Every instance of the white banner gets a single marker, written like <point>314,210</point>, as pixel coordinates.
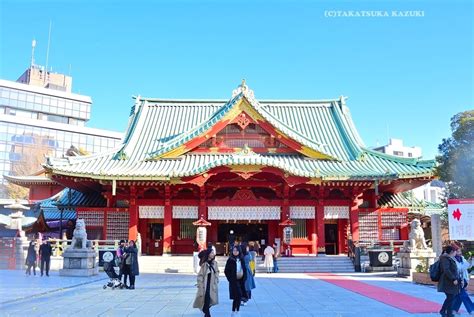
<point>244,213</point>
<point>461,219</point>
<point>302,212</point>
<point>336,212</point>
<point>151,212</point>
<point>185,212</point>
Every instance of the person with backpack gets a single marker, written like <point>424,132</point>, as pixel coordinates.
<point>463,297</point>
<point>448,281</point>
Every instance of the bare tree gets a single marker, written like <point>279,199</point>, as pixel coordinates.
<point>29,153</point>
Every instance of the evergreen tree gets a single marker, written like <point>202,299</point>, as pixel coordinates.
<point>456,162</point>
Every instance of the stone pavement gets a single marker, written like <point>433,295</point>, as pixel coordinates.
<point>172,295</point>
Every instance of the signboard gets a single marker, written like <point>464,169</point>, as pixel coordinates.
<point>106,256</point>
<point>461,219</point>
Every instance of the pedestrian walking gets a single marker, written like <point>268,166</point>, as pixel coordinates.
<point>268,263</point>
<point>448,282</point>
<point>130,260</point>
<point>45,252</point>
<point>276,255</point>
<point>253,259</point>
<point>235,273</point>
<point>463,265</point>
<point>207,294</point>
<point>249,282</point>
<point>231,239</point>
<point>31,258</point>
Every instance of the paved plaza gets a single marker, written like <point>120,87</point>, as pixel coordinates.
<point>170,295</point>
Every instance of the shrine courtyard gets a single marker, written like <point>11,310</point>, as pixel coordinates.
<point>283,294</point>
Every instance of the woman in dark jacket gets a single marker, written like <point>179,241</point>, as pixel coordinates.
<point>235,272</point>
<point>130,264</point>
<point>31,258</point>
<point>448,282</point>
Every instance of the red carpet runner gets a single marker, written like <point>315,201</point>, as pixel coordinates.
<point>398,300</point>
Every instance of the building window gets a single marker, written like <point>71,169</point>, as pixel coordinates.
<point>299,231</point>
<point>410,155</point>
<point>186,229</point>
<point>397,153</point>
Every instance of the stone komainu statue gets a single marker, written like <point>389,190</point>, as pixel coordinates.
<point>79,239</point>
<point>417,236</point>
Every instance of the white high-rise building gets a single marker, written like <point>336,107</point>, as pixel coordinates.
<point>396,147</point>
<point>39,115</point>
<point>432,192</point>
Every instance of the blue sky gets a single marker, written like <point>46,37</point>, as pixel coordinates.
<point>405,76</point>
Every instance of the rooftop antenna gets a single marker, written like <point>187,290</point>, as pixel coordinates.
<point>33,45</point>
<point>47,51</point>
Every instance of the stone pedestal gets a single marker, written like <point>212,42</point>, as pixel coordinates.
<point>79,262</point>
<point>436,240</point>
<point>21,250</point>
<point>410,259</point>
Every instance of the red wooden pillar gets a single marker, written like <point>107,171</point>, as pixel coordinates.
<point>342,236</point>
<point>272,232</point>
<point>142,229</point>
<point>354,219</point>
<point>320,227</point>
<point>284,215</point>
<point>202,210</point>
<point>404,227</point>
<point>133,210</point>
<point>311,229</point>
<point>168,222</point>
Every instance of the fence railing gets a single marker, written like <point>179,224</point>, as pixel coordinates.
<point>60,245</point>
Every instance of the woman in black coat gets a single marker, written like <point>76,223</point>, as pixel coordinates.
<point>130,264</point>
<point>448,282</point>
<point>235,272</point>
<point>31,258</point>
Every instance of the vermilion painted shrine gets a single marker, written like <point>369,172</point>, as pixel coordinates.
<point>245,165</point>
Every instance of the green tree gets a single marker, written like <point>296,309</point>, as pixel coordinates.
<point>456,162</point>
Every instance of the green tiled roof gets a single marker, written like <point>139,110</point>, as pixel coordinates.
<point>158,126</point>
<point>413,204</point>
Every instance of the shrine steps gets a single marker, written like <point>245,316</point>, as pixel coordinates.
<point>298,264</point>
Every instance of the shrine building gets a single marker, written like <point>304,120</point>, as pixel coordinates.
<point>245,165</point>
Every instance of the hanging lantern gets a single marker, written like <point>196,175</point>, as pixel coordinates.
<point>201,235</point>
<point>287,234</point>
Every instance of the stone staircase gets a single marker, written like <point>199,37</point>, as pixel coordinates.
<point>298,264</point>
<point>312,264</point>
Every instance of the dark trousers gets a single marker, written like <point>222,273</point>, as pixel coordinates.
<point>237,294</point>
<point>29,266</point>
<point>275,265</point>
<point>128,273</point>
<point>207,298</point>
<point>236,304</point>
<point>463,297</point>
<point>45,265</point>
<point>448,305</point>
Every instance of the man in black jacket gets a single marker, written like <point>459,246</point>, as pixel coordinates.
<point>45,256</point>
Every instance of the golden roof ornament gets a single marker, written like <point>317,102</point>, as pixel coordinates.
<point>244,89</point>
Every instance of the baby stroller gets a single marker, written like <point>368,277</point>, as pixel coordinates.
<point>112,271</point>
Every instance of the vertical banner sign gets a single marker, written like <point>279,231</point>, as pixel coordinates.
<point>461,219</point>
